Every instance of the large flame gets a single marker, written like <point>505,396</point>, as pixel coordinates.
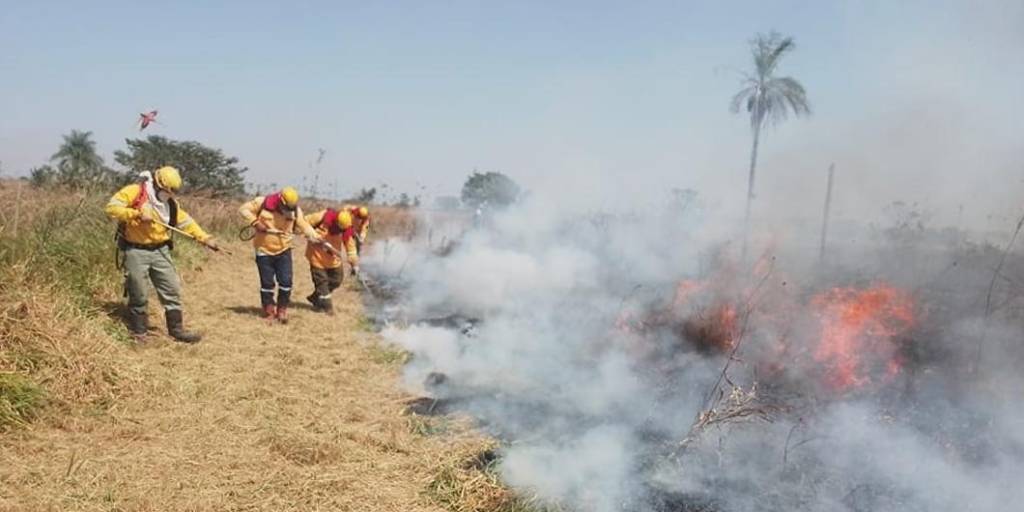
<point>859,332</point>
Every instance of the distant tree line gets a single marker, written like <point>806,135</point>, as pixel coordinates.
<point>77,164</point>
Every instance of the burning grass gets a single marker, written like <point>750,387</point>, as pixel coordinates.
<point>860,329</point>
<point>468,482</point>
<point>764,383</point>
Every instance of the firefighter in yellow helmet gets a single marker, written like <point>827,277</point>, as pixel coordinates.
<point>276,217</point>
<point>325,263</point>
<point>360,223</point>
<point>144,211</point>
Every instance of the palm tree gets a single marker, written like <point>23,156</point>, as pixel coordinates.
<point>77,160</point>
<point>767,98</point>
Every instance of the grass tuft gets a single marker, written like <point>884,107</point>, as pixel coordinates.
<point>20,400</point>
<point>388,355</point>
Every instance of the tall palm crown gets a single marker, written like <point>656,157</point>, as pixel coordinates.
<point>78,152</point>
<point>77,160</point>
<point>767,97</point>
<point>764,95</point>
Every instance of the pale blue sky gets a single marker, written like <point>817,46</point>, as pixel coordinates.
<point>630,95</point>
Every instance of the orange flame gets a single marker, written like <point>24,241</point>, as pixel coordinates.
<point>858,331</point>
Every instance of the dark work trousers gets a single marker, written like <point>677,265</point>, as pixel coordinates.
<point>276,268</point>
<point>326,280</point>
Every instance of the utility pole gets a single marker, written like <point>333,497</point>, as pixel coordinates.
<point>824,219</point>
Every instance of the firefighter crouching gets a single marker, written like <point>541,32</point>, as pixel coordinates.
<point>336,229</point>
<point>275,218</point>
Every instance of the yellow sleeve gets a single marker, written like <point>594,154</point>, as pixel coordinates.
<point>314,218</point>
<point>190,226</point>
<point>300,222</point>
<point>119,207</point>
<point>350,250</point>
<point>251,209</point>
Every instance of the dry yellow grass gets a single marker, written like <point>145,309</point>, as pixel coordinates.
<point>306,416</point>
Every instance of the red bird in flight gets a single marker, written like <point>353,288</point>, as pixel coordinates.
<point>146,119</point>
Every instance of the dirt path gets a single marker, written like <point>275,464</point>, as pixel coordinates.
<point>305,416</point>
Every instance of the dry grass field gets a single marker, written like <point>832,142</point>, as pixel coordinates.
<point>299,417</point>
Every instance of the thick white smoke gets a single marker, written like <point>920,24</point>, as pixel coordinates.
<point>548,323</point>
<point>518,325</point>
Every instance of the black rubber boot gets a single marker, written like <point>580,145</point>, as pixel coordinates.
<point>137,326</point>
<point>315,301</point>
<point>177,330</point>
<point>327,306</point>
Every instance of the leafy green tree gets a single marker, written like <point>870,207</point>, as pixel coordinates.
<point>767,98</point>
<point>203,168</point>
<point>78,163</point>
<point>43,176</point>
<point>366,195</point>
<point>494,188</point>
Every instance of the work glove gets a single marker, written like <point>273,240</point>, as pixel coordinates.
<point>212,244</point>
<point>145,216</point>
<point>261,226</point>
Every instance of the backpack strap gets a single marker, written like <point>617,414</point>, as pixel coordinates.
<point>136,203</point>
<point>172,207</point>
<point>141,198</point>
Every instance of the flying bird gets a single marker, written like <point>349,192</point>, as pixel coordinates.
<point>145,119</point>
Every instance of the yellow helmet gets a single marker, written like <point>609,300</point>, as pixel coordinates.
<point>290,196</point>
<point>363,212</point>
<point>167,178</point>
<point>344,220</point>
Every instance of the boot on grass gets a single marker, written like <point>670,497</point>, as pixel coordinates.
<point>137,326</point>
<point>282,314</point>
<point>269,311</point>
<point>176,328</point>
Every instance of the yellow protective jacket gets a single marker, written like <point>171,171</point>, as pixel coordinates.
<point>360,225</point>
<point>120,208</point>
<point>342,241</point>
<point>271,243</point>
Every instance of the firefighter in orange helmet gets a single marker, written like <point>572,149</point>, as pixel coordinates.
<point>337,232</point>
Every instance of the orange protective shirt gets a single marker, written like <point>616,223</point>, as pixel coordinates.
<point>342,240</point>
